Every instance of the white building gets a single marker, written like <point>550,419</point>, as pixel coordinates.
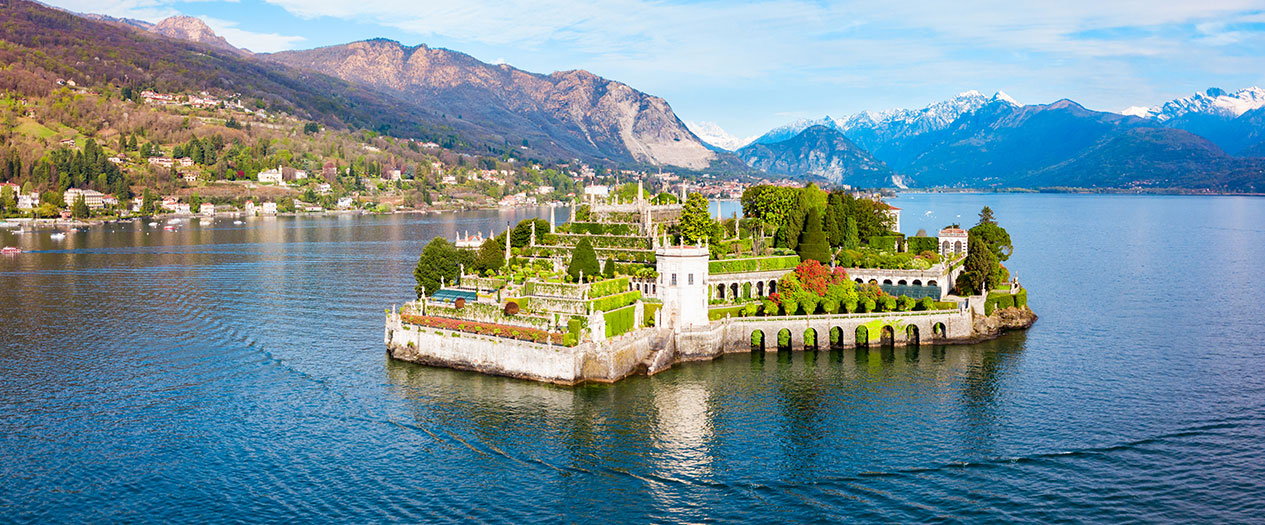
<point>300,174</point>
<point>323,188</point>
<point>953,241</point>
<point>344,203</point>
<point>29,201</point>
<point>272,175</point>
<point>683,276</point>
<point>208,209</point>
<point>251,210</point>
<point>269,208</point>
<point>597,190</point>
<point>392,175</point>
<point>91,197</point>
<point>541,190</point>
<point>894,213</point>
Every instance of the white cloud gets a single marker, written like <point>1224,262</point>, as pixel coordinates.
<point>257,42</point>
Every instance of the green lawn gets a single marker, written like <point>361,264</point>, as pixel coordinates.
<point>32,128</point>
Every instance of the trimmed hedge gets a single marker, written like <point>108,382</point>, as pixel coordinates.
<point>619,322</point>
<point>608,287</point>
<point>924,244</point>
<point>612,302</point>
<point>1021,298</point>
<point>599,228</point>
<point>884,243</point>
<point>720,313</point>
<point>999,301</point>
<point>753,264</point>
<point>650,310</point>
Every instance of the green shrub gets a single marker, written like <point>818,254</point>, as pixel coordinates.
<point>620,321</point>
<point>619,300</point>
<point>650,310</point>
<point>750,309</point>
<point>884,243</point>
<point>720,313</point>
<point>923,244</point>
<point>753,264</point>
<point>1021,298</point>
<point>926,303</point>
<point>608,287</point>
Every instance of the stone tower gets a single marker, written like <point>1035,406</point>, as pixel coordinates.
<point>683,278</point>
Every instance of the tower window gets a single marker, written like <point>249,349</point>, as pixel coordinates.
<point>674,279</point>
<point>691,279</point>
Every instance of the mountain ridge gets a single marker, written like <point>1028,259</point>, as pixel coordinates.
<point>821,151</point>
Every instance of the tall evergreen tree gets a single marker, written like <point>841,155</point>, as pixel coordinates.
<point>851,237</point>
<point>583,259</point>
<point>80,209</point>
<point>835,222</point>
<point>812,242</point>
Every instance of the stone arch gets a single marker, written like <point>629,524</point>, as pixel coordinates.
<point>759,288</point>
<point>836,337</point>
<point>888,335</point>
<point>873,281</point>
<point>783,339</point>
<point>863,336</point>
<point>917,282</point>
<point>720,291</point>
<point>772,287</point>
<point>810,340</point>
<point>860,281</point>
<point>938,331</point>
<point>945,248</point>
<point>911,335</point>
<point>902,282</point>
<point>733,291</point>
<point>757,341</point>
<point>932,283</point>
<point>887,282</point>
<point>957,247</point>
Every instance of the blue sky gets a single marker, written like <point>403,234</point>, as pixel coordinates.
<point>750,66</point>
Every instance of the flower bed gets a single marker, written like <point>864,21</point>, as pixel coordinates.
<point>492,329</point>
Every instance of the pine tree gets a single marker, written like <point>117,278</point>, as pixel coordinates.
<point>835,222</point>
<point>583,259</point>
<point>608,269</point>
<point>812,242</point>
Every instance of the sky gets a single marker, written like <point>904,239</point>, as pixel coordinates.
<point>752,66</point>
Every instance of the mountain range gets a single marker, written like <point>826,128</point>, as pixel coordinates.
<point>412,92</point>
<point>1212,140</point>
<point>973,140</point>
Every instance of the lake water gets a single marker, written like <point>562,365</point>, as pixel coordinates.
<point>228,373</point>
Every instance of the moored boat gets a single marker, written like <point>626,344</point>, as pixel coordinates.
<point>10,250</point>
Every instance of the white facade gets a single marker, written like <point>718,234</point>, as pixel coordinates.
<point>269,208</point>
<point>90,197</point>
<point>208,208</point>
<point>683,277</point>
<point>894,213</point>
<point>270,175</point>
<point>953,241</point>
<point>597,190</point>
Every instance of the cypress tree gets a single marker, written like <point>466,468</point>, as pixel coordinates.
<point>583,259</point>
<point>812,242</point>
<point>851,238</point>
<point>608,269</point>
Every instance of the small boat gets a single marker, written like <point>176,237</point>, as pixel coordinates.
<point>10,224</point>
<point>10,250</point>
<point>153,224</point>
<point>237,222</point>
<point>57,236</point>
<point>170,228</point>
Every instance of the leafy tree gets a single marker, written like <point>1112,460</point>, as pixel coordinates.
<point>8,201</point>
<point>147,202</point>
<point>521,234</point>
<point>608,269</point>
<point>812,242</point>
<point>440,259</point>
<point>696,223</point>
<point>311,127</point>
<point>665,198</point>
<point>994,237</point>
<point>583,259</point>
<point>491,256</point>
<point>80,209</point>
<point>195,203</point>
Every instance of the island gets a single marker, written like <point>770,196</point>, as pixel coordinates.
<point>637,284</point>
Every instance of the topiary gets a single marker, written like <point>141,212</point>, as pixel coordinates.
<point>511,308</point>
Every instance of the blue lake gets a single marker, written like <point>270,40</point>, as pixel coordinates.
<point>228,373</point>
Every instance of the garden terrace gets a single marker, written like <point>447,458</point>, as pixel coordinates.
<point>623,242</point>
<point>449,295</point>
<point>485,313</point>
<point>492,329</point>
<point>598,228</point>
<point>621,255</point>
<point>753,264</point>
<point>935,282</point>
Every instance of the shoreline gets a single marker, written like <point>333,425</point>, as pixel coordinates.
<point>650,351</point>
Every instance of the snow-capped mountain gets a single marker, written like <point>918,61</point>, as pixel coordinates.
<point>872,129</point>
<point>1234,121</point>
<point>712,134</point>
<point>788,131</point>
<point>1214,101</point>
